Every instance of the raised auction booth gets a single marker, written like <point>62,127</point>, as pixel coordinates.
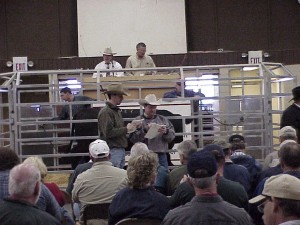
<point>237,101</point>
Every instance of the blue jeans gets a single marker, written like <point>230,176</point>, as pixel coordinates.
<point>117,157</point>
<point>162,159</point>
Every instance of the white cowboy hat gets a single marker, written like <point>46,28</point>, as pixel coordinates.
<point>108,51</point>
<point>149,100</point>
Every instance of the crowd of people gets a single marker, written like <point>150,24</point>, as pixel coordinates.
<point>219,183</point>
<point>197,192</point>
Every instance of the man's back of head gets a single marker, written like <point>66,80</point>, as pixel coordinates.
<point>218,153</point>
<point>287,133</point>
<point>185,149</point>
<point>8,159</point>
<point>202,169</point>
<point>24,183</point>
<point>289,155</point>
<point>99,151</point>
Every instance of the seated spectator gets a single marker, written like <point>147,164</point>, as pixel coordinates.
<point>102,181</point>
<point>280,200</point>
<point>139,200</point>
<point>38,162</point>
<point>140,60</point>
<point>46,201</point>
<point>108,64</point>
<point>160,183</point>
<point>289,157</point>
<point>8,159</point>
<point>24,189</point>
<point>207,207</point>
<point>177,92</point>
<point>285,133</point>
<point>273,170</point>
<point>184,149</point>
<point>239,157</point>
<point>233,172</point>
<point>78,170</point>
<point>230,191</point>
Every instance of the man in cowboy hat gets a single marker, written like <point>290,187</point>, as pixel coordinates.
<point>108,64</point>
<point>111,125</point>
<point>291,116</point>
<point>140,60</point>
<point>165,129</point>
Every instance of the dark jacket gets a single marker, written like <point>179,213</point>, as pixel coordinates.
<point>291,117</point>
<point>14,212</point>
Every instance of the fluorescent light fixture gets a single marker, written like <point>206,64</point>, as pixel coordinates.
<point>250,68</point>
<point>283,79</point>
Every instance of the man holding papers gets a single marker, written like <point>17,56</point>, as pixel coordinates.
<point>156,130</point>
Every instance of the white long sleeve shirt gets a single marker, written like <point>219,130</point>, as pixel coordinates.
<point>114,65</point>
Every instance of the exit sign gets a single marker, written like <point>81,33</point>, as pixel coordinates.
<point>20,64</point>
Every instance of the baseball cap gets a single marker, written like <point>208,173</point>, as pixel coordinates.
<point>216,150</point>
<point>204,161</point>
<point>222,142</point>
<point>287,131</point>
<point>99,149</point>
<point>280,186</point>
<point>236,138</point>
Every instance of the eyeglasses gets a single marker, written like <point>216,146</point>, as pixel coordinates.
<point>261,207</point>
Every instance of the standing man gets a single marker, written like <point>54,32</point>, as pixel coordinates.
<point>66,95</point>
<point>291,116</point>
<point>280,200</point>
<point>207,207</point>
<point>165,132</point>
<point>109,64</point>
<point>285,133</point>
<point>111,125</point>
<point>140,60</point>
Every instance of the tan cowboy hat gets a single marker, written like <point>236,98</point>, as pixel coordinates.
<point>149,100</point>
<point>108,51</point>
<point>116,89</point>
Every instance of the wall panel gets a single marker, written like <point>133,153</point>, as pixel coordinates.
<point>285,24</point>
<point>3,44</point>
<point>201,25</point>
<point>242,26</point>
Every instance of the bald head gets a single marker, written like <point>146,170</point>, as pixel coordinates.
<point>24,182</point>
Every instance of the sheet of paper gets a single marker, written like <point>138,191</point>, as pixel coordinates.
<point>153,131</point>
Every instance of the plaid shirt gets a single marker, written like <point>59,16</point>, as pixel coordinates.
<point>4,175</point>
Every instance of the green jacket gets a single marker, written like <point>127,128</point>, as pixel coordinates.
<point>111,126</point>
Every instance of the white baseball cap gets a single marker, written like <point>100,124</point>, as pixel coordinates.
<point>280,186</point>
<point>99,149</point>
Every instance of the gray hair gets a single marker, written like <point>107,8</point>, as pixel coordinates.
<point>288,133</point>
<point>23,179</point>
<point>203,183</point>
<point>186,148</point>
<point>138,148</point>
